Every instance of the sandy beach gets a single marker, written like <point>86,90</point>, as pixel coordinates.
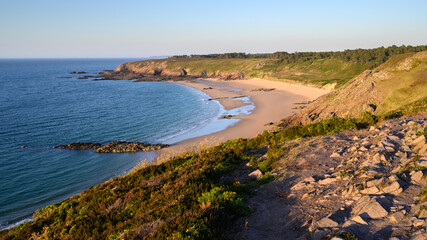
<point>276,101</point>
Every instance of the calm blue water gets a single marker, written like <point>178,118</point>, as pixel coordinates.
<point>41,111</point>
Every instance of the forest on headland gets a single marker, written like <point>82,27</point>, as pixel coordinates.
<point>329,70</point>
<point>375,56</point>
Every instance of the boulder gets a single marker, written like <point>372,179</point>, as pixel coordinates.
<point>326,223</point>
<point>359,220</point>
<point>327,181</point>
<point>416,176</point>
<point>397,216</point>
<point>371,190</point>
<point>419,223</point>
<point>392,187</point>
<point>371,207</point>
<point>418,140</point>
<point>423,213</point>
<point>419,146</point>
<point>255,174</point>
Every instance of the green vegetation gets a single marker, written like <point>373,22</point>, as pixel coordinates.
<point>314,68</point>
<point>184,198</point>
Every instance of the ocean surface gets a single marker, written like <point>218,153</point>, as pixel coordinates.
<point>38,110</point>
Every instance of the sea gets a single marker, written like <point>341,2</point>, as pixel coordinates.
<point>43,105</point>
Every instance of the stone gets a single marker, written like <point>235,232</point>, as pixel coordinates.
<point>419,223</point>
<point>423,213</point>
<point>397,216</point>
<point>372,128</point>
<point>335,155</point>
<point>337,238</point>
<point>359,220</point>
<point>416,176</point>
<point>353,149</point>
<point>371,207</point>
<point>419,146</point>
<point>326,223</point>
<point>299,186</point>
<point>363,149</point>
<point>423,150</point>
<point>411,123</point>
<point>319,234</point>
<point>418,140</point>
<point>389,149</point>
<point>422,163</point>
<point>309,180</point>
<point>255,174</point>
<point>327,181</point>
<point>392,187</point>
<point>375,182</point>
<point>371,190</point>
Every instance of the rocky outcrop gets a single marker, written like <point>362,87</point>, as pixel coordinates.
<point>155,70</point>
<point>114,147</point>
<point>127,147</point>
<point>80,146</point>
<point>364,184</point>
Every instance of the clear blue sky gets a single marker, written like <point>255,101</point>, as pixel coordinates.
<point>138,28</point>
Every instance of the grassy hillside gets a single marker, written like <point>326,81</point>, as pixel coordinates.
<point>311,68</point>
<point>192,196</point>
<point>399,85</point>
<point>317,72</point>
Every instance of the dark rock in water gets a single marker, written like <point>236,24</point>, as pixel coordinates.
<point>78,72</point>
<point>80,146</point>
<point>126,147</point>
<point>227,116</point>
<point>86,77</point>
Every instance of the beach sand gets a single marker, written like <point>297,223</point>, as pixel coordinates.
<point>270,106</point>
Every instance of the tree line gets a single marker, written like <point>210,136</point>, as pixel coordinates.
<point>375,56</point>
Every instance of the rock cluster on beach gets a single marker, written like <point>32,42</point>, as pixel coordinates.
<point>368,184</point>
<point>114,147</point>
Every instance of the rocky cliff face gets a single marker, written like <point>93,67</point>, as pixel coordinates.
<point>388,87</point>
<point>160,68</point>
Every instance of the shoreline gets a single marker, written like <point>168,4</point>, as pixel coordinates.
<point>273,101</point>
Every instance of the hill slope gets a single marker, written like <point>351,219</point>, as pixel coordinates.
<point>400,84</point>
<point>317,72</point>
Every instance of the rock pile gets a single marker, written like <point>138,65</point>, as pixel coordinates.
<point>126,147</point>
<point>114,147</point>
<point>366,184</point>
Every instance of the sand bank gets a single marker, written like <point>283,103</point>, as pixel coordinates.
<point>270,106</point>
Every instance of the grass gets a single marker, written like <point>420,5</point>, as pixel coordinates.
<point>183,198</point>
<point>316,72</point>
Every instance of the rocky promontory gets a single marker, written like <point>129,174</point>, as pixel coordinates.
<point>126,147</point>
<point>114,147</point>
<point>80,146</point>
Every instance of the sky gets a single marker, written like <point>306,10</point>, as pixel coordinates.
<point>140,28</point>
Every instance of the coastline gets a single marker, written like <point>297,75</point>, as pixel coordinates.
<point>273,101</point>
